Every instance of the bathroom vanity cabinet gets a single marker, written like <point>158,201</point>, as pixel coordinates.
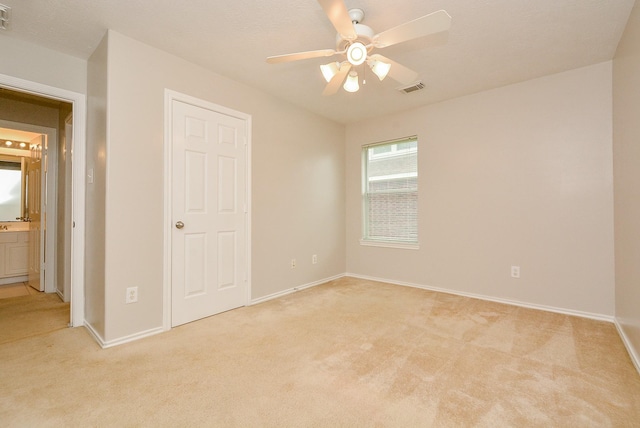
<point>14,254</point>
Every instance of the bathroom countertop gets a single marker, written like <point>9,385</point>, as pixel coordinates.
<point>14,227</point>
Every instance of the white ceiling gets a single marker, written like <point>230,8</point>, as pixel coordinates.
<point>491,43</point>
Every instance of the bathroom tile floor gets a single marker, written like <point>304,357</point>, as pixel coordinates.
<point>17,289</point>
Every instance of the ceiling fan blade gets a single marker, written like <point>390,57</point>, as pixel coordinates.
<point>339,16</point>
<point>300,55</point>
<point>429,24</point>
<point>333,86</point>
<point>398,72</point>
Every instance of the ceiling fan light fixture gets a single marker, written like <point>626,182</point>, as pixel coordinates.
<point>351,84</point>
<point>357,42</point>
<point>330,70</point>
<point>379,68</point>
<point>357,53</point>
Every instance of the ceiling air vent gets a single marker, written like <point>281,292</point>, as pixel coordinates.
<point>412,88</point>
<point>4,16</point>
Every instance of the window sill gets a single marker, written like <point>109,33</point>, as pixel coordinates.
<point>390,244</point>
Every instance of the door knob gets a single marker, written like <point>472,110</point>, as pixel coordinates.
<point>179,225</point>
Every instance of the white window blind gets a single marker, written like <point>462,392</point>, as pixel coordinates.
<point>390,192</point>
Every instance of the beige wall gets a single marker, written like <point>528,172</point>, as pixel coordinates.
<point>95,233</point>
<point>626,151</point>
<point>297,181</point>
<point>519,175</point>
<point>37,64</point>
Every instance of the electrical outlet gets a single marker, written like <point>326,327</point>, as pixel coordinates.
<point>314,259</point>
<point>132,295</point>
<point>293,263</point>
<point>515,271</point>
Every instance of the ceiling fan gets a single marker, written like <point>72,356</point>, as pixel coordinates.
<point>356,42</point>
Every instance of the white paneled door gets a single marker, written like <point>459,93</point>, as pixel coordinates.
<point>34,195</point>
<point>209,259</point>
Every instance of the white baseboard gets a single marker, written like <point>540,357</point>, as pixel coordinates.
<point>599,317</point>
<point>121,340</point>
<point>635,358</point>
<point>96,336</point>
<point>293,290</point>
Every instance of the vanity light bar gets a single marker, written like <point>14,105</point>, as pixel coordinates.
<point>14,144</point>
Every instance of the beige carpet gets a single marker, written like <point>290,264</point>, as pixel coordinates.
<point>31,315</point>
<point>349,353</point>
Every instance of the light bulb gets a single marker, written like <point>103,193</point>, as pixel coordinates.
<point>351,84</point>
<point>329,70</point>
<point>379,68</point>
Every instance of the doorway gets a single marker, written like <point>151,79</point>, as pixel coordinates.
<point>75,187</point>
<point>35,216</point>
<point>207,194</point>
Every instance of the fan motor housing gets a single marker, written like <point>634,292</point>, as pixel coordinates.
<point>365,36</point>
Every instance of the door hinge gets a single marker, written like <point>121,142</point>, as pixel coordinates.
<point>4,16</point>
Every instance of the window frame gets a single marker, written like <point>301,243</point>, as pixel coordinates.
<point>365,239</point>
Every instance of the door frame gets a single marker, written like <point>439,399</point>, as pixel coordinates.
<point>79,109</point>
<point>169,97</point>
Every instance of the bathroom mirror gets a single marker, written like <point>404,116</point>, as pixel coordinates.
<point>12,188</point>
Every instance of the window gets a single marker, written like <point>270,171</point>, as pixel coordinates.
<point>390,193</point>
